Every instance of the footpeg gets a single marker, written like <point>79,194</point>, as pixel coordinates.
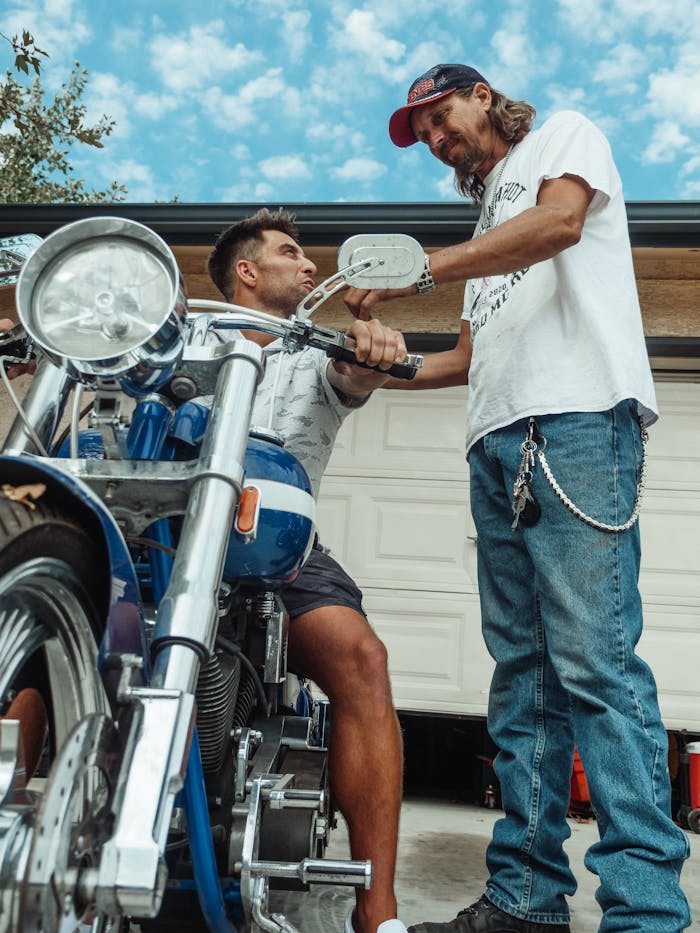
<point>356,874</point>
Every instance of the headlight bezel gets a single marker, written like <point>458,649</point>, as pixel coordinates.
<point>139,359</point>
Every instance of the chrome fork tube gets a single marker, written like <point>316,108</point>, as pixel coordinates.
<point>43,407</point>
<point>132,868</point>
<point>188,612</point>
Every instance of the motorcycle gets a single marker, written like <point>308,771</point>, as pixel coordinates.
<point>141,560</point>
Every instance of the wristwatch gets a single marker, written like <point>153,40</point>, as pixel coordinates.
<point>425,283</point>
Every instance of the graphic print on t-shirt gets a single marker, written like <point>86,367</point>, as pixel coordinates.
<point>490,293</point>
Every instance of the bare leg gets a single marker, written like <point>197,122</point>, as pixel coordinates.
<point>337,648</point>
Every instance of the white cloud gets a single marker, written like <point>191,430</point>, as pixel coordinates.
<point>107,95</point>
<point>666,144</point>
<point>295,24</point>
<point>361,33</point>
<point>513,48</point>
<point>187,62</point>
<point>123,102</point>
<point>325,136</point>
<point>392,14</point>
<point>446,188</point>
<point>676,94</point>
<point>361,170</point>
<point>240,152</point>
<point>125,39</point>
<point>285,168</point>
<point>563,98</point>
<point>588,19</point>
<point>621,67</point>
<point>252,103</point>
<point>263,192</point>
<point>153,106</point>
<point>657,16</point>
<point>604,22</point>
<point>137,177</point>
<point>691,166</point>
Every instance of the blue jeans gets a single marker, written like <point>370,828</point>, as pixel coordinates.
<point>561,616</point>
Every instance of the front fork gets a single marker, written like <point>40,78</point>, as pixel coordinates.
<point>161,752</point>
<point>132,872</point>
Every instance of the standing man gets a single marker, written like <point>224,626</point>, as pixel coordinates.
<point>553,346</point>
<point>258,263</point>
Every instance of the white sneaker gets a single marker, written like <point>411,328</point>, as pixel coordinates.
<point>388,926</point>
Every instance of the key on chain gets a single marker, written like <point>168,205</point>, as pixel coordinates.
<point>526,509</point>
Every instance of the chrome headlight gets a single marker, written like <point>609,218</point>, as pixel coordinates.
<point>104,297</point>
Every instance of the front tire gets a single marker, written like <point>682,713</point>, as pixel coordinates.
<point>51,580</point>
<point>48,619</point>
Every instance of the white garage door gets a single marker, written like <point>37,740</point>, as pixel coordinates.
<point>394,509</point>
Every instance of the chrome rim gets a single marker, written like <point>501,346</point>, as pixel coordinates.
<point>43,614</point>
<point>42,609</point>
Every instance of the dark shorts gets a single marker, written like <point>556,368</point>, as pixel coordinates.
<point>321,582</point>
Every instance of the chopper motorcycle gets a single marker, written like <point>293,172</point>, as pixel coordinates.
<point>141,560</point>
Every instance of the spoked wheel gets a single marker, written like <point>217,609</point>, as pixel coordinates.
<point>47,616</point>
<point>49,681</point>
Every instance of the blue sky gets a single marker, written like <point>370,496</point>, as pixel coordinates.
<point>288,100</point>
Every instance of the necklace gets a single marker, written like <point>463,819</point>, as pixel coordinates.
<point>489,221</point>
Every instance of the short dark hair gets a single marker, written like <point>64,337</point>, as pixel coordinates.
<point>244,240</point>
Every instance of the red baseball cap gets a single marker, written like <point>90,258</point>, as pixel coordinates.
<point>437,82</point>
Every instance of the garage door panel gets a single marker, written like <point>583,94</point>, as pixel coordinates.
<point>415,434</point>
<point>669,644</point>
<point>670,529</point>
<point>349,442</point>
<point>674,441</point>
<point>437,658</point>
<point>333,522</point>
<point>400,533</point>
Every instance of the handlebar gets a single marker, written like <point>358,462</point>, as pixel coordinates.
<point>296,333</point>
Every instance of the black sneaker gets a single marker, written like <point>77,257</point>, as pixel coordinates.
<point>485,917</point>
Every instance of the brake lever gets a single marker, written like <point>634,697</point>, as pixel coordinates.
<point>332,285</point>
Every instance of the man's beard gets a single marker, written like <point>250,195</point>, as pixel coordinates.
<point>466,165</point>
<point>283,303</point>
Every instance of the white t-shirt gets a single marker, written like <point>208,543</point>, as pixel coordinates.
<point>307,410</point>
<point>565,334</point>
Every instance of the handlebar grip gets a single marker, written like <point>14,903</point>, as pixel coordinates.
<point>405,370</point>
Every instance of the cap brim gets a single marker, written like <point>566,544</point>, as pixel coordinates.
<point>400,130</point>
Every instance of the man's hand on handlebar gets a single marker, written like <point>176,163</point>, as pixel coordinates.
<point>374,344</point>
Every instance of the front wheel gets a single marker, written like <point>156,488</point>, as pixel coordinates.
<point>48,621</point>
<point>49,678</point>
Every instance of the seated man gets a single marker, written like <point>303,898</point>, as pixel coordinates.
<point>258,263</point>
